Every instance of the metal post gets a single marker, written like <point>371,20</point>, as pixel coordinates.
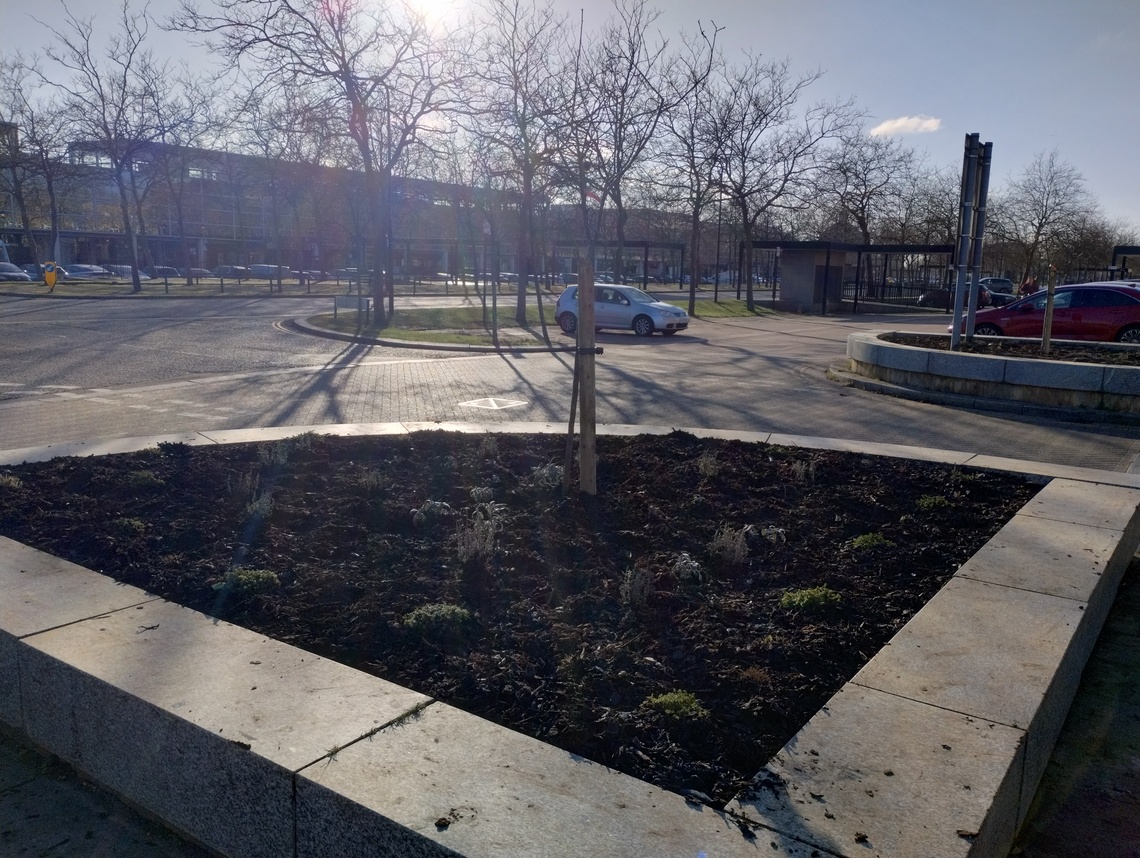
<point>965,229</point>
<point>858,281</point>
<point>982,192</point>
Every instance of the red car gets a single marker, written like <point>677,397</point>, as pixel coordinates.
<point>1107,312</point>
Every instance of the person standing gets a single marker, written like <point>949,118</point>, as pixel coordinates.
<point>1029,286</point>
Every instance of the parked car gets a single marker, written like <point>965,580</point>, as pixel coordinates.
<point>12,273</point>
<point>623,308</point>
<point>272,272</point>
<point>1001,290</point>
<point>80,271</point>
<point>162,272</point>
<point>36,272</point>
<point>233,272</point>
<point>123,272</point>
<point>196,273</point>
<point>1105,312</point>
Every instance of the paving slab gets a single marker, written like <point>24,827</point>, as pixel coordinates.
<point>39,592</point>
<point>875,775</point>
<point>46,811</point>
<point>448,783</point>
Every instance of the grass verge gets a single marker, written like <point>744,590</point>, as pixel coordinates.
<point>452,325</point>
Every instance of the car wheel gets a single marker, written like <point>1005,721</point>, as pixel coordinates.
<point>1131,334</point>
<point>568,323</point>
<point>643,326</point>
<point>668,333</point>
<point>988,330</point>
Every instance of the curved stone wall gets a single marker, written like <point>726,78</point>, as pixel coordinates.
<point>1044,382</point>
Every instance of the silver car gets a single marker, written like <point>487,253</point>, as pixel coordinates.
<point>624,308</point>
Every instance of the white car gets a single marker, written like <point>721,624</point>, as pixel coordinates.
<point>624,308</point>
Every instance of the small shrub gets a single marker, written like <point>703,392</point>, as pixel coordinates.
<point>707,464</point>
<point>372,480</point>
<point>273,455</point>
<point>428,510</point>
<point>173,448</point>
<point>810,599</point>
<point>482,494</point>
<point>489,447</point>
<point>678,705</point>
<point>476,537</point>
<point>730,545</point>
<point>548,476</point>
<point>10,481</point>
<point>260,506</point>
<point>636,586</point>
<point>128,526</point>
<point>439,621</point>
<point>140,480</point>
<point>243,485</point>
<point>803,472</point>
<point>686,569</point>
<point>932,502</point>
<point>867,541</point>
<point>244,581</point>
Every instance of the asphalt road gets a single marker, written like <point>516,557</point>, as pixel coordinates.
<point>79,369</point>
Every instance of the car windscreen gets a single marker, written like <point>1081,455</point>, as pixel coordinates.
<point>638,296</point>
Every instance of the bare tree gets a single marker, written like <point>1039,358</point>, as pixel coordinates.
<point>519,63</point>
<point>1041,207</point>
<point>862,175</point>
<point>690,152</point>
<point>112,99</point>
<point>33,168</point>
<point>771,152</point>
<point>380,64</point>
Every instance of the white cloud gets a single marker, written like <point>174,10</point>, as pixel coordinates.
<point>906,125</point>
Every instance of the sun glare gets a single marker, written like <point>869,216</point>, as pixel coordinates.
<point>439,12</point>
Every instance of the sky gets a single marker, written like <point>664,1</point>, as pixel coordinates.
<point>1030,76</point>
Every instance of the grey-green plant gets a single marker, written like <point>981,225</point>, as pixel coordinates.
<point>273,455</point>
<point>10,481</point>
<point>144,480</point>
<point>475,536</point>
<point>707,464</point>
<point>260,506</point>
<point>810,598</point>
<point>439,621</point>
<point>129,526</point>
<point>927,503</point>
<point>548,476</point>
<point>677,705</point>
<point>481,494</point>
<point>245,580</point>
<point>686,569</point>
<point>371,480</point>
<point>242,485</point>
<point>803,472</point>
<point>430,509</point>
<point>636,586</point>
<point>730,545</point>
<point>489,447</point>
<point>867,541</point>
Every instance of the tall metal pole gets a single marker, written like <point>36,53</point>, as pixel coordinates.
<point>965,229</point>
<point>982,193</point>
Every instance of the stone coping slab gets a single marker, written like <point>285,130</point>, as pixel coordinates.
<point>254,748</point>
<point>1051,383</point>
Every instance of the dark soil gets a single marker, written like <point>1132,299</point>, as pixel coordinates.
<point>578,612</point>
<point>1106,353</point>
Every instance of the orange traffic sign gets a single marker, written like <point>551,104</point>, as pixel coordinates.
<point>49,275</point>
